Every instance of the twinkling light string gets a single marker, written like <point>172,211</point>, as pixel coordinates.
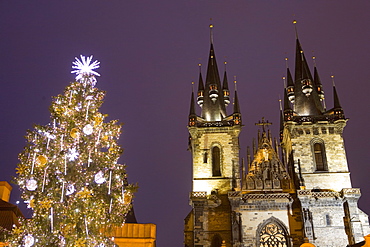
<point>110,181</point>
<point>44,180</point>
<point>65,164</point>
<point>87,229</point>
<point>89,159</point>
<point>61,198</point>
<point>52,219</point>
<point>33,162</point>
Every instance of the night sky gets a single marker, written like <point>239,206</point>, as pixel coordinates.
<point>149,53</point>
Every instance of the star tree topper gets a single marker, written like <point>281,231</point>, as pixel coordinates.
<point>84,67</point>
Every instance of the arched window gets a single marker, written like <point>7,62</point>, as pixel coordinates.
<point>216,162</point>
<point>216,241</point>
<point>319,156</point>
<point>328,220</point>
<point>272,234</point>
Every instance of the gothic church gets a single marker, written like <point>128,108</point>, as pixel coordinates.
<point>285,195</point>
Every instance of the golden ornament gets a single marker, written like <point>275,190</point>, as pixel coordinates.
<point>68,229</point>
<point>111,150</point>
<point>17,231</point>
<point>104,138</point>
<point>81,242</point>
<point>98,119</point>
<point>84,193</point>
<point>127,198</point>
<point>41,160</point>
<point>75,133</point>
<point>32,203</point>
<point>45,204</point>
<point>21,169</point>
<point>58,109</point>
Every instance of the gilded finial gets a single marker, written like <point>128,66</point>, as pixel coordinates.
<point>284,80</point>
<point>314,60</point>
<point>225,65</point>
<point>192,86</point>
<point>211,32</point>
<point>286,62</point>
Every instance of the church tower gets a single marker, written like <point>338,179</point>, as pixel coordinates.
<point>214,145</point>
<point>312,141</point>
<point>303,196</point>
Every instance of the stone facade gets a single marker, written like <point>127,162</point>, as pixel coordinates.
<point>203,142</point>
<point>301,139</point>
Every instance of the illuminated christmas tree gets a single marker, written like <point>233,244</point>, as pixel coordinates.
<point>68,172</point>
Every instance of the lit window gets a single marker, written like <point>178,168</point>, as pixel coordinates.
<point>319,156</point>
<point>272,235</point>
<point>216,162</point>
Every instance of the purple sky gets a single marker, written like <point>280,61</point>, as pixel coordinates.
<point>149,53</point>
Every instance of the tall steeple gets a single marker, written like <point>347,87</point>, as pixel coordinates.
<point>306,97</point>
<point>213,101</point>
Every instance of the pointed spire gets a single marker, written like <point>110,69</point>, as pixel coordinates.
<point>302,70</point>
<point>200,84</point>
<point>192,105</point>
<point>213,106</point>
<point>290,86</point>
<point>287,114</point>
<point>281,120</point>
<point>306,98</point>
<point>225,84</point>
<point>200,97</point>
<point>225,88</point>
<point>290,82</point>
<point>236,100</point>
<point>335,96</point>
<point>192,114</point>
<point>286,102</point>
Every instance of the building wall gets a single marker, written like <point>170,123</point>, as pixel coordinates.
<point>135,235</point>
<point>303,136</point>
<point>203,140</point>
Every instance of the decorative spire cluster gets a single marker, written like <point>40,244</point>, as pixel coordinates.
<point>213,97</point>
<point>265,171</point>
<point>304,96</point>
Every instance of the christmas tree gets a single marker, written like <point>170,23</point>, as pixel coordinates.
<point>68,171</point>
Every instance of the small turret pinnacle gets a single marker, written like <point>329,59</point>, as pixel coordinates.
<point>225,88</point>
<point>192,105</point>
<point>200,87</point>
<point>236,100</point>
<point>335,96</point>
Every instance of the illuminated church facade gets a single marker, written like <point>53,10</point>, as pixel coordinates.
<point>283,195</point>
